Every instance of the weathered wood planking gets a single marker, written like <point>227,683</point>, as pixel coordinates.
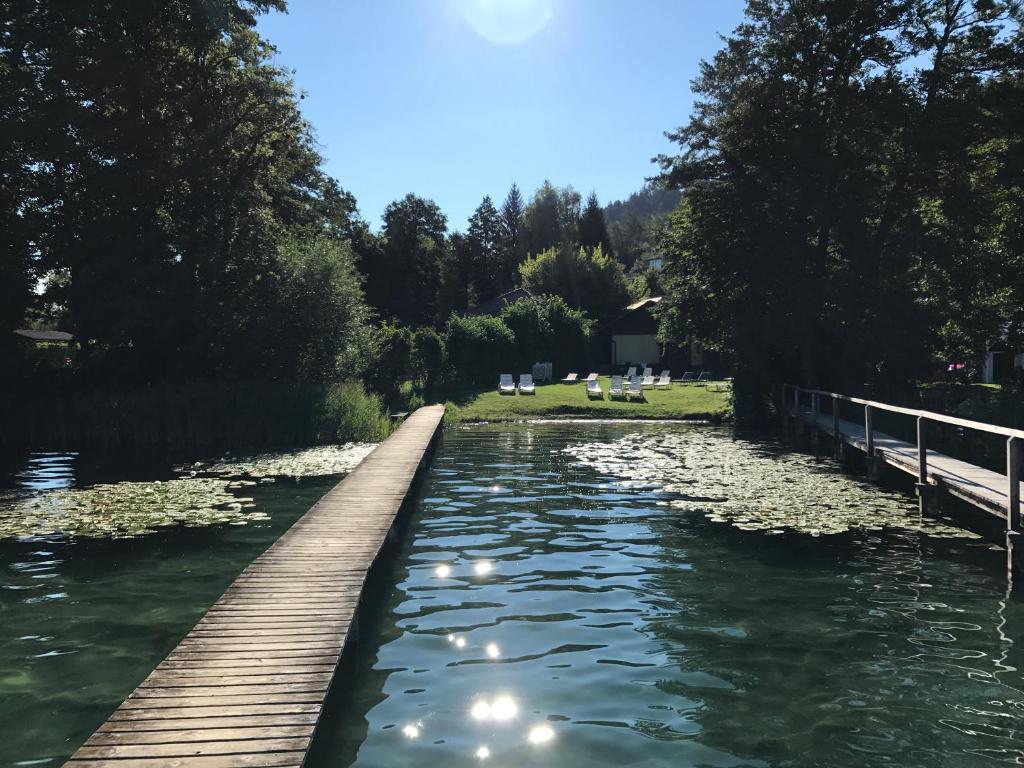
<point>245,687</point>
<point>981,487</point>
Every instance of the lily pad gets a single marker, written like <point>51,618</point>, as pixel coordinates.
<point>320,461</point>
<point>756,488</point>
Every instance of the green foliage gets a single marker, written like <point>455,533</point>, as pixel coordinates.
<point>428,357</point>
<point>593,231</point>
<point>849,215</point>
<point>188,419</point>
<point>587,279</point>
<point>355,415</point>
<point>393,362</point>
<point>549,330</point>
<point>479,348</point>
<point>405,278</point>
<point>176,207</point>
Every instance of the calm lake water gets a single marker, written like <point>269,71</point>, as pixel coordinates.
<point>574,595</point>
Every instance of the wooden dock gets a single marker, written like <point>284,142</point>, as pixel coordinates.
<point>246,686</point>
<point>994,492</point>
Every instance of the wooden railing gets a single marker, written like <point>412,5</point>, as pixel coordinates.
<point>1014,437</point>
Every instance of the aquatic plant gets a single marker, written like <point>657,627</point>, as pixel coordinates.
<point>756,488</point>
<point>124,510</point>
<point>313,462</point>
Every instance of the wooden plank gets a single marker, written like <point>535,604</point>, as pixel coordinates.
<point>983,488</point>
<point>245,687</point>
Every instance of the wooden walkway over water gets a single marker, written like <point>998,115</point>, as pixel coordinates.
<point>245,687</point>
<point>994,492</point>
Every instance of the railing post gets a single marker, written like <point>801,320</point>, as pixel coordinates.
<point>1013,484</point>
<point>924,491</point>
<point>873,463</point>
<point>835,417</point>
<point>869,432</point>
<point>922,452</point>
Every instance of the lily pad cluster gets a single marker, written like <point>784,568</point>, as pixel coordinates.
<point>753,487</point>
<point>320,461</point>
<point>124,510</point>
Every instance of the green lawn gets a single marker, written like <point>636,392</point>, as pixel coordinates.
<point>682,401</point>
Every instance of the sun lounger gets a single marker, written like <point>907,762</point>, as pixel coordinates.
<point>594,389</point>
<point>705,377</point>
<point>615,391</point>
<point>572,378</point>
<point>526,386</point>
<point>592,377</point>
<point>647,381</point>
<point>631,372</point>
<point>688,378</point>
<point>636,389</point>
<point>664,381</point>
<point>506,386</point>
<point>647,372</point>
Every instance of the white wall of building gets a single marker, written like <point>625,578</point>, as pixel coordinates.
<point>635,348</point>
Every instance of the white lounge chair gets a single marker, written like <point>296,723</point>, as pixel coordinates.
<point>526,386</point>
<point>592,377</point>
<point>647,382</point>
<point>506,385</point>
<point>688,377</point>
<point>594,389</point>
<point>636,389</point>
<point>572,378</point>
<point>664,381</point>
<point>631,372</point>
<point>647,372</point>
<point>615,391</point>
<point>705,377</point>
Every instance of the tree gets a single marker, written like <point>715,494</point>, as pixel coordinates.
<point>478,348</point>
<point>586,279</point>
<point>487,253</point>
<point>541,220</point>
<point>171,207</point>
<point>593,231</point>
<point>808,169</point>
<point>546,328</point>
<point>512,212</point>
<point>413,254</point>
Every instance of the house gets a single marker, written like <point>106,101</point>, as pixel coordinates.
<point>496,306</point>
<point>52,348</point>
<point>632,337</point>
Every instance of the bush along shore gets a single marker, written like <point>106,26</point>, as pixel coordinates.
<point>197,418</point>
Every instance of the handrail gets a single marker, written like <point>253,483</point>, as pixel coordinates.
<point>929,415</point>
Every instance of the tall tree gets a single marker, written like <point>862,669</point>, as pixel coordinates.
<point>542,224</point>
<point>414,252</point>
<point>176,204</point>
<point>512,212</point>
<point>488,254</point>
<point>807,165</point>
<point>593,231</point>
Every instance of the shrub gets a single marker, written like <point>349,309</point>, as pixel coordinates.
<point>479,348</point>
<point>353,414</point>
<point>427,357</point>
<point>587,279</point>
<point>393,364</point>
<point>546,329</point>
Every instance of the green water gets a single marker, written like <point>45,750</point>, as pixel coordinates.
<point>649,603</point>
<point>615,594</point>
<point>83,622</point>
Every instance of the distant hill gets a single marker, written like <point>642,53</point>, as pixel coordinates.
<point>649,201</point>
<point>632,222</point>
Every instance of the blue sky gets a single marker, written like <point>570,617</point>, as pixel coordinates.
<point>455,99</point>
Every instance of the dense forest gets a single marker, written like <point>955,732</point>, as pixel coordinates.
<point>846,208</point>
<point>853,208</point>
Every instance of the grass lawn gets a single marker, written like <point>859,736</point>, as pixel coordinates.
<point>682,401</point>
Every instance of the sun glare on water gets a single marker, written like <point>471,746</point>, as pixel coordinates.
<point>506,22</point>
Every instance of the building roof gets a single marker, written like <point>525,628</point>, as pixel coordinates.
<point>635,319</point>
<point>495,306</point>
<point>34,335</point>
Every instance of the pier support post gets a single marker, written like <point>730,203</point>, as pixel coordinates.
<point>874,464</point>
